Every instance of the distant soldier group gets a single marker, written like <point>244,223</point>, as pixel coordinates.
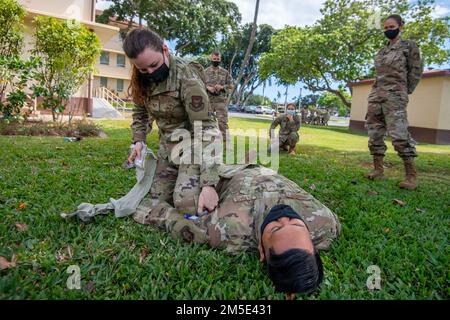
<point>315,116</point>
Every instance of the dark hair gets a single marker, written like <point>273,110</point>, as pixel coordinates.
<point>140,39</point>
<point>216,53</point>
<point>295,271</point>
<point>397,18</point>
<point>134,44</point>
<point>291,104</point>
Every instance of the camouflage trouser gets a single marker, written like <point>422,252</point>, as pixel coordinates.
<point>220,108</point>
<point>389,117</point>
<point>176,185</point>
<point>288,141</point>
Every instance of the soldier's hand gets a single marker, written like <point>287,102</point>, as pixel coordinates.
<point>211,89</point>
<point>218,87</point>
<point>208,199</point>
<point>136,152</point>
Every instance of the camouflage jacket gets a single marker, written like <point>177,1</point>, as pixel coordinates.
<point>286,126</point>
<point>221,77</point>
<point>175,104</point>
<point>399,69</point>
<point>247,193</point>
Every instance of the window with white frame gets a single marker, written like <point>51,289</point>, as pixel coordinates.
<point>104,58</point>
<point>121,60</point>
<point>119,85</point>
<point>103,82</point>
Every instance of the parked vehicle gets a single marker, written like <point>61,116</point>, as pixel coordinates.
<point>250,109</point>
<point>258,110</point>
<point>233,108</point>
<point>266,110</point>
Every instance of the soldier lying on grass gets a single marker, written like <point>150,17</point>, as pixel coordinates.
<point>258,210</point>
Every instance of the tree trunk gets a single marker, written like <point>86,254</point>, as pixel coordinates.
<point>230,68</point>
<point>249,49</point>
<point>330,89</point>
<point>347,103</point>
<point>242,88</point>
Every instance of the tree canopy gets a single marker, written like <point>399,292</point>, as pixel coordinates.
<point>67,52</point>
<point>194,24</point>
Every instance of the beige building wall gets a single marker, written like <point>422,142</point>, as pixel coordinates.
<point>444,116</point>
<point>114,44</point>
<point>83,11</point>
<point>359,102</point>
<point>113,70</point>
<point>112,86</point>
<point>70,9</point>
<point>428,108</point>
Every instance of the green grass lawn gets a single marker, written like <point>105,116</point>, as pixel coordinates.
<point>119,259</point>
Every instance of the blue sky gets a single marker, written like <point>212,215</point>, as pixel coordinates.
<point>279,13</point>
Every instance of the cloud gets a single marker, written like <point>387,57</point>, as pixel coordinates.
<point>440,11</point>
<point>281,12</point>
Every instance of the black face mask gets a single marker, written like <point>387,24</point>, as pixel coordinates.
<point>160,74</point>
<point>392,34</point>
<point>216,63</point>
<point>279,211</point>
<point>157,76</point>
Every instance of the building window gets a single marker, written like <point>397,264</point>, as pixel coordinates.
<point>121,60</point>
<point>103,82</point>
<point>119,85</point>
<point>104,58</point>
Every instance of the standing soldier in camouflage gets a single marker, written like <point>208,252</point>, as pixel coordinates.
<point>326,117</point>
<point>289,125</point>
<point>399,69</point>
<point>219,84</point>
<point>312,116</point>
<point>261,211</point>
<point>304,115</point>
<point>171,91</point>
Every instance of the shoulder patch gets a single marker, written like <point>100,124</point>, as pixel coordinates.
<point>196,103</point>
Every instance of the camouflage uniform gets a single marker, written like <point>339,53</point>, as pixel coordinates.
<point>288,135</point>
<point>326,117</point>
<point>304,115</point>
<point>399,69</point>
<point>218,101</point>
<point>176,103</point>
<point>247,193</point>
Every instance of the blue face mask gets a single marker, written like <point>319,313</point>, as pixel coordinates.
<point>291,112</point>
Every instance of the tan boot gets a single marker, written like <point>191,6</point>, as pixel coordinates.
<point>411,174</point>
<point>378,171</point>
